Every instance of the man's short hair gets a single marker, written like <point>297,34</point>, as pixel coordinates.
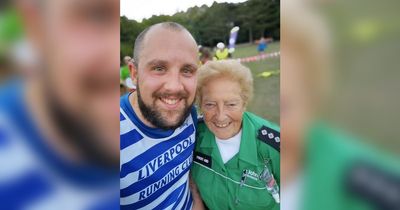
<point>139,40</point>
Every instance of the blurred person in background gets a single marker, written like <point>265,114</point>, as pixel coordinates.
<point>158,121</point>
<point>59,127</point>
<point>235,150</point>
<point>261,45</point>
<point>222,52</point>
<point>204,54</point>
<point>126,83</point>
<point>323,166</point>
<point>124,70</point>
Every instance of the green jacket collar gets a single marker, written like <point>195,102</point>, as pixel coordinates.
<point>210,146</point>
<point>248,147</point>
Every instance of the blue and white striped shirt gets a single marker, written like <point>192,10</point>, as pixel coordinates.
<point>155,163</point>
<point>35,176</point>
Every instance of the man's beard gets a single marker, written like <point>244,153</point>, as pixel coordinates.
<point>78,130</point>
<point>154,116</point>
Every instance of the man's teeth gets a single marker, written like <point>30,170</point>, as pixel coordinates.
<point>170,101</point>
<point>221,125</point>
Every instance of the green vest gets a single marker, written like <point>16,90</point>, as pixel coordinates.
<point>219,184</point>
<point>124,72</point>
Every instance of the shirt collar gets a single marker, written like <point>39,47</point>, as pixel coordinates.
<point>248,147</point>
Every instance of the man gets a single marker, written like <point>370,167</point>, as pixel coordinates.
<point>58,124</point>
<point>157,121</point>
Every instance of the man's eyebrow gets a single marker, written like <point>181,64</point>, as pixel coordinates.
<point>156,62</point>
<point>189,65</point>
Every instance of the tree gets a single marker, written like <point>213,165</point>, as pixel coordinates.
<point>210,25</point>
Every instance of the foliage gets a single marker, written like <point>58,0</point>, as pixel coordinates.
<point>210,25</point>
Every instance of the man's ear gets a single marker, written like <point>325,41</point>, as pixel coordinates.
<point>133,71</point>
<point>32,16</point>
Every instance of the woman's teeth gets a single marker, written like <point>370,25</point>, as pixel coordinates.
<point>220,125</point>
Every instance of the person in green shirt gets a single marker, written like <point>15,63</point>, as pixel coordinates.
<point>237,154</point>
<point>124,70</point>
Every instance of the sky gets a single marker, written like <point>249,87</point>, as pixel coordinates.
<point>139,9</point>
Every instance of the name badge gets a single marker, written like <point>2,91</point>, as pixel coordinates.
<point>203,159</point>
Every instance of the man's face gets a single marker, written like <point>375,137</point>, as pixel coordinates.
<point>80,47</point>
<point>167,77</point>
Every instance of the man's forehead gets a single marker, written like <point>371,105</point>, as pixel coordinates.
<point>159,41</point>
<point>164,34</point>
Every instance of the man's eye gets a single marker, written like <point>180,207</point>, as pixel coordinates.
<point>188,71</point>
<point>158,68</point>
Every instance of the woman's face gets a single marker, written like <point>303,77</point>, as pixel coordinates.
<point>223,107</point>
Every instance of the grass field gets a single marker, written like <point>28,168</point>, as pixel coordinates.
<point>266,98</point>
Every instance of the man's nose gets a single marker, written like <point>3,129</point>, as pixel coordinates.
<point>173,82</point>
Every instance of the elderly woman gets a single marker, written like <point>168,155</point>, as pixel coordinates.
<point>236,159</point>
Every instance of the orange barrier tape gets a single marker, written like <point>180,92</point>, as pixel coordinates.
<point>259,57</point>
